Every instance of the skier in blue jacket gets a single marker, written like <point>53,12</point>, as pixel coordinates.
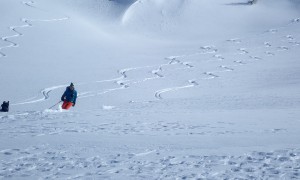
<point>69,97</point>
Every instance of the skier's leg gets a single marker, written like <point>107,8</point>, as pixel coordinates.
<point>68,105</point>
<point>64,105</point>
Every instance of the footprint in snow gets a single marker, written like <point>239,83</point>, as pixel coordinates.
<point>238,62</point>
<point>297,20</point>
<point>219,57</point>
<point>282,48</point>
<point>226,68</point>
<point>269,53</point>
<point>273,31</point>
<point>267,44</point>
<point>243,51</point>
<point>276,130</point>
<point>29,4</point>
<point>234,40</point>
<point>211,75</point>
<point>289,37</point>
<point>188,64</point>
<point>208,50</point>
<point>255,57</point>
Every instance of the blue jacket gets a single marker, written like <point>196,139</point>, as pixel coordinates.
<point>69,95</point>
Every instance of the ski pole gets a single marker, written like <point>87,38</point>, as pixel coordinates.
<point>55,104</point>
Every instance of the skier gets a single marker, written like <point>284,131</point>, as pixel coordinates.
<point>5,106</point>
<point>69,97</point>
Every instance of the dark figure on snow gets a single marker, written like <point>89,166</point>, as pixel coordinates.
<point>5,106</point>
<point>69,97</point>
<point>251,2</point>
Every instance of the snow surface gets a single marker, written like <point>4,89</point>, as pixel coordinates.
<point>181,89</point>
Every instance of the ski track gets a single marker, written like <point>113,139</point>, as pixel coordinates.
<point>29,4</point>
<point>159,92</point>
<point>226,68</point>
<point>45,92</point>
<point>235,40</point>
<point>27,23</point>
<point>125,81</point>
<point>211,49</point>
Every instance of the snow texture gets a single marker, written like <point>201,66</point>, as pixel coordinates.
<point>181,89</point>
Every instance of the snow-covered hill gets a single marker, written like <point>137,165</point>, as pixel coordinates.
<point>181,89</point>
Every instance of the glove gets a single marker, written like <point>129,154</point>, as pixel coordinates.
<point>73,104</point>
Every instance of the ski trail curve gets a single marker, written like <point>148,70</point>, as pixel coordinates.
<point>124,77</point>
<point>27,23</point>
<point>123,81</point>
<point>158,71</point>
<point>158,94</point>
<point>45,95</point>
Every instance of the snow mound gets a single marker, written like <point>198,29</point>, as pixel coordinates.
<point>152,11</point>
<point>195,17</point>
<point>99,10</point>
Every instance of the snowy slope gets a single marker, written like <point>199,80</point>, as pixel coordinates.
<point>185,89</point>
